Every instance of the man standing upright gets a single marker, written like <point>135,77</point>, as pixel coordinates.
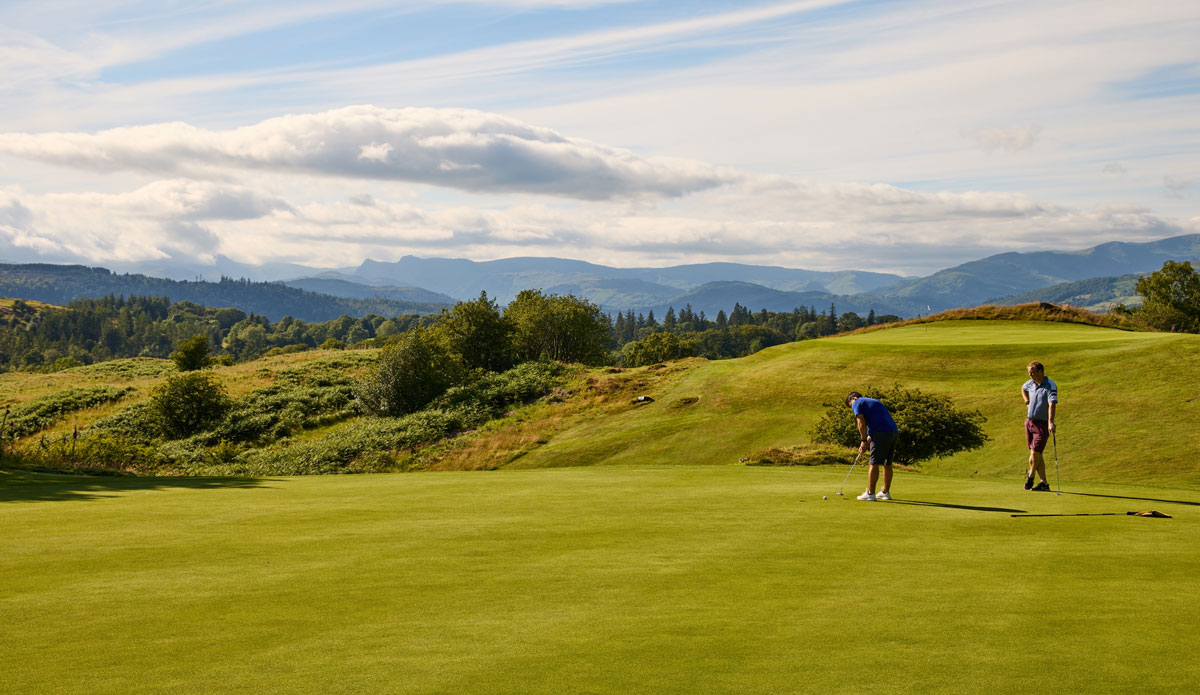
<point>876,429</point>
<point>1041,397</point>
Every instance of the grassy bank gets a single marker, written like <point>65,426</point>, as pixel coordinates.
<point>1126,399</point>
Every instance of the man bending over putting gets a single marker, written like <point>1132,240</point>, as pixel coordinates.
<point>878,430</point>
<point>1041,397</point>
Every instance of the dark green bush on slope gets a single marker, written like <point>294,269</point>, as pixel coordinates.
<point>188,403</point>
<point>930,426</point>
<point>409,375</point>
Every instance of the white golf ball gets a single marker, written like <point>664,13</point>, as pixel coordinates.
<point>824,497</point>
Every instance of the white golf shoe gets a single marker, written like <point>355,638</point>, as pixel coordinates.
<point>883,496</point>
<point>866,495</point>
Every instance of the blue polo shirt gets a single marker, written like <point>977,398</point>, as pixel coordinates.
<point>876,414</point>
<point>1040,398</point>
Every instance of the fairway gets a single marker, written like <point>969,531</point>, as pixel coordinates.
<point>602,580</point>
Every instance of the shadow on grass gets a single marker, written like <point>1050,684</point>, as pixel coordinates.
<point>25,486</point>
<point>1143,499</point>
<point>945,505</point>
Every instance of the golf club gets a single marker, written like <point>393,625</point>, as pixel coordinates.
<point>1057,481</point>
<point>856,458</point>
<point>1153,513</point>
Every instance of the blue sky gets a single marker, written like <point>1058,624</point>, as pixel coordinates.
<point>890,136</point>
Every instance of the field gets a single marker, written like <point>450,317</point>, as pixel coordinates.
<point>615,580</point>
<point>625,549</point>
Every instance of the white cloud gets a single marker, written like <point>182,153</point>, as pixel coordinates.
<point>1177,187</point>
<point>765,220</point>
<point>454,148</point>
<point>1006,139</point>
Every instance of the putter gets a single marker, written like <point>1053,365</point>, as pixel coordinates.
<point>1057,480</point>
<point>856,458</point>
<point>1152,512</point>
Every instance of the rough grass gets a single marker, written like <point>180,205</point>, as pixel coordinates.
<point>604,580</point>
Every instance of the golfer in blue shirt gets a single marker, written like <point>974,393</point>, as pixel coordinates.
<point>877,430</point>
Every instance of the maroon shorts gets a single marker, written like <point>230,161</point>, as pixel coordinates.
<point>1037,432</point>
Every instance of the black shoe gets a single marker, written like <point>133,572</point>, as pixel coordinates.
<point>1042,487</point>
<point>1028,483</point>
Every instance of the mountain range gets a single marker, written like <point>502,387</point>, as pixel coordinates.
<point>1095,277</point>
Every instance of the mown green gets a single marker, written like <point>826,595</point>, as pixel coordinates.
<point>710,579</point>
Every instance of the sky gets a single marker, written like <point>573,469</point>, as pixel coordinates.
<point>899,137</point>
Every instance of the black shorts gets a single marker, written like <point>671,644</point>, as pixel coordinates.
<point>883,447</point>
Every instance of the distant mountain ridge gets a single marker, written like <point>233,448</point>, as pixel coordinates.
<point>60,284</point>
<point>418,285</point>
<point>504,278</point>
<point>1007,274</point>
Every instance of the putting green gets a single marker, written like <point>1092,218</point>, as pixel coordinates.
<point>1040,333</point>
<point>603,580</point>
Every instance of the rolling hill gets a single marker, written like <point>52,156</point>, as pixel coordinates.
<point>1111,426</point>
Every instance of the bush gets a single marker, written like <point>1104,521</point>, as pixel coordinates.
<point>655,348</point>
<point>803,455</point>
<point>409,375</point>
<point>192,354</point>
<point>39,414</point>
<point>930,426</point>
<point>103,452</point>
<point>188,403</point>
<point>488,397</point>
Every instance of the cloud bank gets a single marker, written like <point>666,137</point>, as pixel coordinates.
<point>460,149</point>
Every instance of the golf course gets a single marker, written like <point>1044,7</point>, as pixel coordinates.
<point>621,548</point>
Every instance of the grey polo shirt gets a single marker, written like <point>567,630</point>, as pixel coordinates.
<point>1040,398</point>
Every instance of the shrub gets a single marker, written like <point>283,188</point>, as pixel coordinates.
<point>930,426</point>
<point>104,452</point>
<point>192,354</point>
<point>655,348</point>
<point>409,375</point>
<point>39,414</point>
<point>188,403</point>
<point>803,455</point>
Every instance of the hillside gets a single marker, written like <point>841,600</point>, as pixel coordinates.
<point>295,413</point>
<point>60,284</point>
<point>1093,294</point>
<point>717,412</point>
<point>1008,274</point>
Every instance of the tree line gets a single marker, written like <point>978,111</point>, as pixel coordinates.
<point>533,325</point>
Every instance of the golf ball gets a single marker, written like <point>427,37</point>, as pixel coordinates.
<point>824,497</point>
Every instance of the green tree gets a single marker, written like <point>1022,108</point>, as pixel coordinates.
<point>1171,298</point>
<point>192,354</point>
<point>850,321</point>
<point>478,332</point>
<point>189,403</point>
<point>930,426</point>
<point>567,329</point>
<point>655,348</point>
<point>409,375</point>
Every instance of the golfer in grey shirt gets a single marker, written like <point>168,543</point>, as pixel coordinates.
<point>1041,399</point>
